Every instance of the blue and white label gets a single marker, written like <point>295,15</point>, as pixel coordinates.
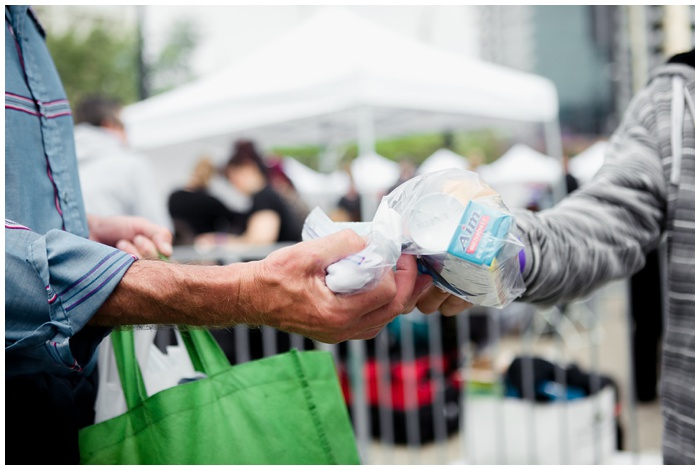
<point>481,234</point>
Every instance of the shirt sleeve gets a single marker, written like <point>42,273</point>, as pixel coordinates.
<point>266,200</point>
<point>54,284</point>
<point>604,230</point>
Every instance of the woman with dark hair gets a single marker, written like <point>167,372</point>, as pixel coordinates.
<point>285,186</point>
<point>195,210</point>
<point>270,219</point>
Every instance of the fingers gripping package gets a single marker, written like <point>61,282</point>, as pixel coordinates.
<point>459,228</point>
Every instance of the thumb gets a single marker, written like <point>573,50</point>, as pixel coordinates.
<point>162,237</point>
<point>164,242</point>
<point>338,245</point>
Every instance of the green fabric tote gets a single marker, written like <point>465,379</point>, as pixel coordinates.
<point>283,409</point>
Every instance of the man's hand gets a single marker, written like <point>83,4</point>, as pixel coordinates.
<point>435,299</point>
<point>134,235</point>
<point>287,290</point>
<point>290,292</point>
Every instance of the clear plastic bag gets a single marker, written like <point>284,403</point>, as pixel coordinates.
<point>362,270</point>
<point>459,228</point>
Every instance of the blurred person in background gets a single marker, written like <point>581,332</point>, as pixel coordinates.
<point>285,187</point>
<point>571,181</point>
<point>113,179</point>
<point>271,219</point>
<point>407,170</point>
<point>644,193</point>
<point>195,210</point>
<point>646,306</point>
<point>71,277</point>
<point>476,158</point>
<point>349,206</point>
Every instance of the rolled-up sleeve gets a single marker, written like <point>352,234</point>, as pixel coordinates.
<point>54,284</point>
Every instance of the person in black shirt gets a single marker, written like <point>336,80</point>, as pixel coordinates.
<point>271,219</point>
<point>195,210</point>
<point>267,199</point>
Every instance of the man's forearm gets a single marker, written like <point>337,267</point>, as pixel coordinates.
<point>286,291</point>
<point>153,292</point>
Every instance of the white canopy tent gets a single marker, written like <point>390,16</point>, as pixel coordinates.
<point>519,171</point>
<point>316,188</point>
<point>373,173</point>
<point>314,182</point>
<point>336,78</point>
<point>442,159</point>
<point>587,163</point>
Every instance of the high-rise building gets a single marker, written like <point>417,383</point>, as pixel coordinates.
<point>646,37</point>
<point>560,43</point>
<point>507,35</point>
<point>598,56</point>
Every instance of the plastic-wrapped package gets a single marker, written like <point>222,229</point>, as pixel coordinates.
<point>459,228</point>
<point>361,270</point>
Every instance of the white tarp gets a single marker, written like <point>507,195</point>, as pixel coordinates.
<point>309,181</point>
<point>328,80</point>
<point>442,159</point>
<point>522,176</point>
<point>315,188</point>
<point>373,173</point>
<point>373,176</point>
<point>522,164</point>
<point>306,88</point>
<point>587,163</point>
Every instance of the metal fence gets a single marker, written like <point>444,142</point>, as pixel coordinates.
<point>430,390</point>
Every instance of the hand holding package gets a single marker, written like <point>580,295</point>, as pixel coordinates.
<point>458,226</point>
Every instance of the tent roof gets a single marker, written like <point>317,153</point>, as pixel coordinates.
<point>442,159</point>
<point>306,86</point>
<point>521,174</point>
<point>522,164</point>
<point>587,163</point>
<point>373,173</point>
<point>309,181</point>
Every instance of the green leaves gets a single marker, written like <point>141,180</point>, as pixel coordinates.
<point>97,54</point>
<point>98,59</point>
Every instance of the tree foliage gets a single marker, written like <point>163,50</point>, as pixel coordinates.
<point>172,66</point>
<point>99,56</point>
<point>484,144</point>
<point>102,60</point>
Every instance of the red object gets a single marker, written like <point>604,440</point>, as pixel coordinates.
<point>415,375</point>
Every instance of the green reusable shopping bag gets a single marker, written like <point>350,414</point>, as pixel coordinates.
<point>283,409</point>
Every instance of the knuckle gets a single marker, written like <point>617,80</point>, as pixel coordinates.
<point>337,337</point>
<point>401,306</point>
<point>390,290</point>
<point>373,333</point>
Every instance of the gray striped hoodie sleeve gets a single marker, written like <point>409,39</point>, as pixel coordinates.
<point>602,231</point>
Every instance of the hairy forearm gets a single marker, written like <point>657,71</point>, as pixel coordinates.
<point>286,291</point>
<point>153,292</point>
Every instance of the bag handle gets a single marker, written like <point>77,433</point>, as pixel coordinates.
<point>205,353</point>
<point>129,370</point>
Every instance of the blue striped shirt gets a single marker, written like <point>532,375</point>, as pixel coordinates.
<point>55,278</point>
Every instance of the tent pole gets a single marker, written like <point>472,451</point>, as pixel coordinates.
<point>552,136</point>
<point>366,145</point>
<point>365,130</point>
